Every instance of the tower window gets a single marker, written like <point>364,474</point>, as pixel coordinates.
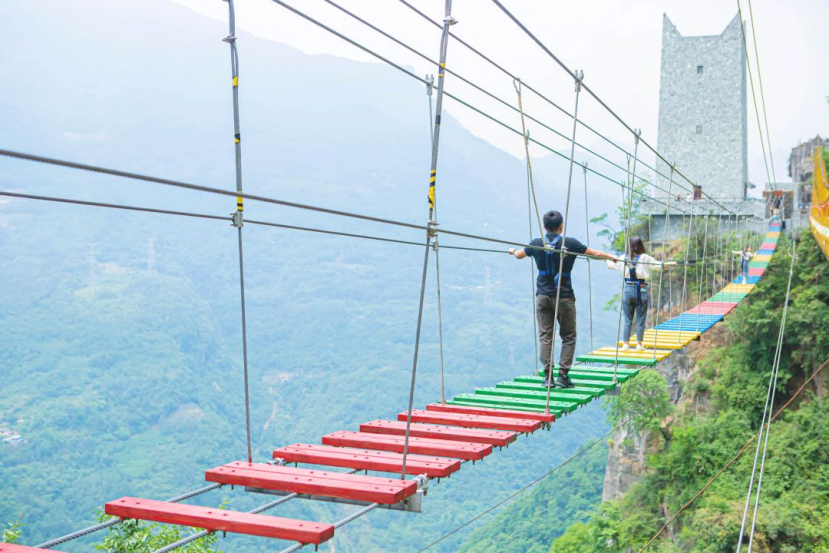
<point>699,70</point>
<point>699,129</point>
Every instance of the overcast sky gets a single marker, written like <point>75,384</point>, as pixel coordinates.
<point>615,42</point>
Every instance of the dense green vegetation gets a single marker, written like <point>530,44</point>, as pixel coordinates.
<point>533,520</point>
<point>794,511</point>
<point>133,536</point>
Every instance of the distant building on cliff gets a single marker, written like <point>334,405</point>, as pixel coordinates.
<point>702,109</point>
<point>703,126</point>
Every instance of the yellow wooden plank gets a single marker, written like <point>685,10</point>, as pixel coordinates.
<point>660,344</point>
<point>611,352</point>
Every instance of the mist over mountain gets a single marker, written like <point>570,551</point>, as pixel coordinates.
<point>121,363</point>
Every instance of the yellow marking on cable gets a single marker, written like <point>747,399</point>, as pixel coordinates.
<point>432,196</point>
<point>235,81</point>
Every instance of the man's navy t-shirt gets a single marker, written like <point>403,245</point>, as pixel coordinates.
<point>545,285</point>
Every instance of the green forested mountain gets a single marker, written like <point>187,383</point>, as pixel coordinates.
<point>121,360</point>
<point>528,525</point>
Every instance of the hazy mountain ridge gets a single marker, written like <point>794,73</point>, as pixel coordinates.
<point>123,354</point>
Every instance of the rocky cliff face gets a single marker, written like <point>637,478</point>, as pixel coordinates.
<point>626,457</point>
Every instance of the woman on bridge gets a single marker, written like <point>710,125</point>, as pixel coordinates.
<point>636,271</point>
<point>745,257</point>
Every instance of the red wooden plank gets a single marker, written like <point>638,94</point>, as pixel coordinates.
<point>472,421</point>
<point>422,446</point>
<point>313,482</point>
<point>395,428</point>
<point>331,475</point>
<point>703,310</point>
<point>725,304</point>
<point>209,518</point>
<point>506,413</point>
<point>366,459</point>
<point>14,548</point>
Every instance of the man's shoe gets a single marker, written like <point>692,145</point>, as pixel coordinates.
<point>564,382</point>
<point>548,382</point>
<point>625,347</point>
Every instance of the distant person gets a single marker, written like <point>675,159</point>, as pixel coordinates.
<point>547,261</point>
<point>635,298</point>
<point>775,207</point>
<point>745,257</point>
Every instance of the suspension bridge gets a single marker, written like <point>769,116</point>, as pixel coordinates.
<point>421,446</point>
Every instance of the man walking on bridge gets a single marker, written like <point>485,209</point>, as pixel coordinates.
<point>547,284</point>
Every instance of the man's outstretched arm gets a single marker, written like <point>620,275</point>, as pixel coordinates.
<point>518,254</point>
<point>600,254</point>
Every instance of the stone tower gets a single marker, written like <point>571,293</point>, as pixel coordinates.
<point>702,109</point>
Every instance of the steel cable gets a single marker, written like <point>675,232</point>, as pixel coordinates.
<point>424,81</point>
<point>430,232</point>
<point>595,96</point>
<point>737,456</point>
<point>530,88</point>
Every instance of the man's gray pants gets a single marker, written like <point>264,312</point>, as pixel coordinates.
<point>545,307</point>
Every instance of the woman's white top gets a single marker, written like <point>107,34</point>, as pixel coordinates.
<point>745,255</point>
<point>644,265</point>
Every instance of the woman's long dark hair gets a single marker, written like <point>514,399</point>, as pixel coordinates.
<point>637,247</point>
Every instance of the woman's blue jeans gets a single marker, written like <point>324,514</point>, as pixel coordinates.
<point>631,311</point>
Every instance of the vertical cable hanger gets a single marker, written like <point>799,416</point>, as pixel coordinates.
<point>432,224</point>
<point>661,272</point>
<point>436,249</point>
<point>430,85</point>
<point>628,254</point>
<point>531,200</point>
<point>578,79</point>
<point>587,237</point>
<point>237,215</point>
<point>685,277</point>
<point>702,277</point>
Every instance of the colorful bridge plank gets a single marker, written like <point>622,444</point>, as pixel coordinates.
<point>214,519</point>
<point>490,412</point>
<point>472,421</point>
<point>498,438</point>
<point>468,451</point>
<point>367,459</point>
<point>387,491</point>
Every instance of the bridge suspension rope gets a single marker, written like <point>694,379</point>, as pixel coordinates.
<point>432,223</point>
<point>238,214</point>
<point>767,410</point>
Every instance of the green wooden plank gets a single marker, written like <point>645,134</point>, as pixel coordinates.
<point>578,390</point>
<point>579,399</point>
<point>577,381</point>
<point>499,405</point>
<point>621,370</point>
<point>506,400</point>
<point>622,361</point>
<point>606,377</point>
